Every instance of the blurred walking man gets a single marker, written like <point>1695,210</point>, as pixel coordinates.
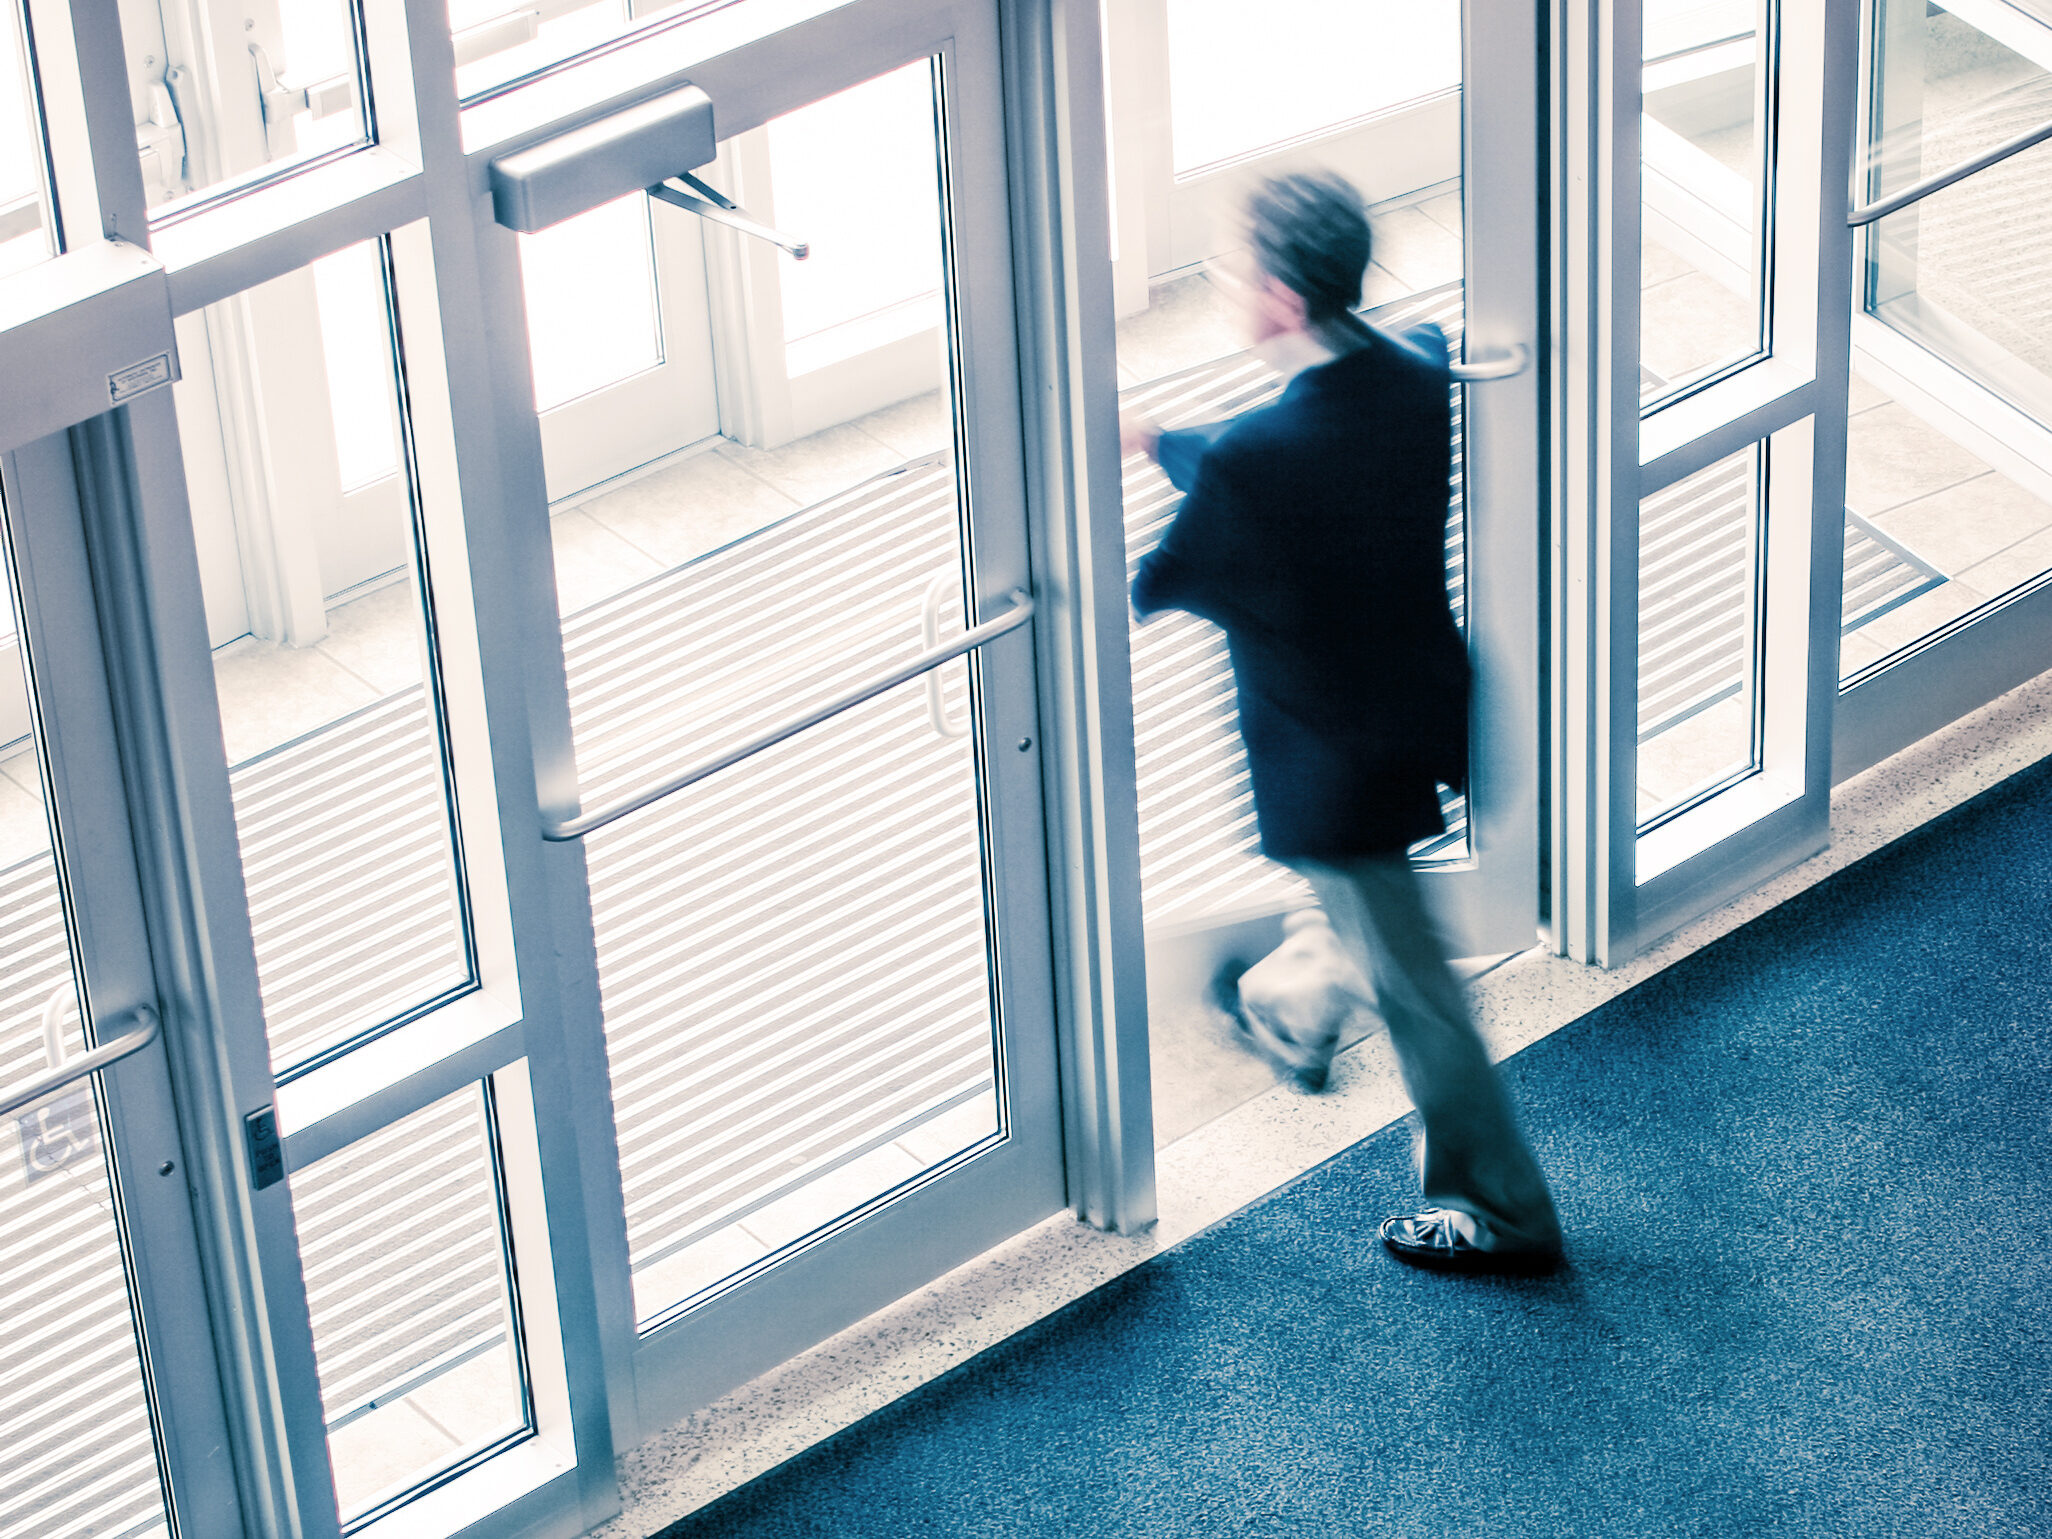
<point>1313,532</point>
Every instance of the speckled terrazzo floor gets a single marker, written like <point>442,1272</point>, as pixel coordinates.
<point>1800,1171</point>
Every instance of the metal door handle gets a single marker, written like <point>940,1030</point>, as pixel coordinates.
<point>929,632</point>
<point>132,1041</point>
<point>586,822</point>
<point>1506,365</point>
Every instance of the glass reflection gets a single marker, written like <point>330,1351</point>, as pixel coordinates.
<point>1966,271</point>
<point>1707,149</point>
<point>1236,89</point>
<point>313,573</point>
<point>1942,92</point>
<point>415,1331</point>
<point>1699,620</point>
<point>226,96</point>
<point>27,231</point>
<point>793,955</point>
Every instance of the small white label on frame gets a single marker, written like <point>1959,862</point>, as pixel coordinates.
<point>126,384</point>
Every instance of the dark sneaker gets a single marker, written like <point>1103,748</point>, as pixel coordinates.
<point>1433,1240</point>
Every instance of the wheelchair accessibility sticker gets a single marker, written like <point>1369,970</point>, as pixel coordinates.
<point>58,1132</point>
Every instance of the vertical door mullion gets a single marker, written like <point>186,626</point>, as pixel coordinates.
<point>145,576</point>
<point>1595,543</point>
<point>1491,904</point>
<point>1056,148</point>
<point>146,571</point>
<point>1605,910</point>
<point>483,362</point>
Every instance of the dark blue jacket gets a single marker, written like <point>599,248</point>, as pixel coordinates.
<point>1313,530</point>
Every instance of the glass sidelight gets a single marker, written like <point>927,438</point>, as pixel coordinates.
<point>1949,447</point>
<point>416,1331</point>
<point>1707,137</point>
<point>321,609</point>
<point>224,97</point>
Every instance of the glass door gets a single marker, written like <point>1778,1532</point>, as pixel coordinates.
<point>1699,552</point>
<point>1429,114</point>
<point>797,781</point>
<point>1948,548</point>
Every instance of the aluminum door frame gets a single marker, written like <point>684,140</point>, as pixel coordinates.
<point>1607,457</point>
<point>1970,662</point>
<point>422,186</point>
<point>679,1366</point>
<point>92,755</point>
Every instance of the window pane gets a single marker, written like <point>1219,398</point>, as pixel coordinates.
<point>1962,273</point>
<point>415,1332</point>
<point>1707,147</point>
<point>28,233</point>
<point>794,955</point>
<point>855,173</point>
<point>1943,91</point>
<point>498,41</point>
<point>1307,66</point>
<point>225,96</point>
<point>591,301</point>
<point>1699,620</point>
<point>1933,532</point>
<point>77,1457</point>
<point>324,663</point>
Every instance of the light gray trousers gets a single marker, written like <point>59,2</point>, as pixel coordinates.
<point>1471,1156</point>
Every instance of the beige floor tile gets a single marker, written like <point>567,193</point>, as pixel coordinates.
<point>953,1131</point>
<point>823,1201</point>
<point>1893,456</point>
<point>2025,561</point>
<point>386,1449</point>
<point>473,1402</point>
<point>1446,212</point>
<point>271,694</point>
<point>1921,616</point>
<point>1416,249</point>
<point>689,507</point>
<point>1856,652</point>
<point>21,769</point>
<point>1708,746</point>
<point>1692,323</point>
<point>922,425</point>
<point>1201,1069</point>
<point>676,1278</point>
<point>816,467</point>
<point>592,562</point>
<point>1187,321</point>
<point>378,638</point>
<point>1659,265</point>
<point>1382,287</point>
<point>1864,395</point>
<point>24,832</point>
<point>1966,524</point>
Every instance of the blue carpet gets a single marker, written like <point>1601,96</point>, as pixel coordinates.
<point>1802,1175</point>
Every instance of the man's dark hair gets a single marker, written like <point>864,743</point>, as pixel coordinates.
<point>1310,233</point>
